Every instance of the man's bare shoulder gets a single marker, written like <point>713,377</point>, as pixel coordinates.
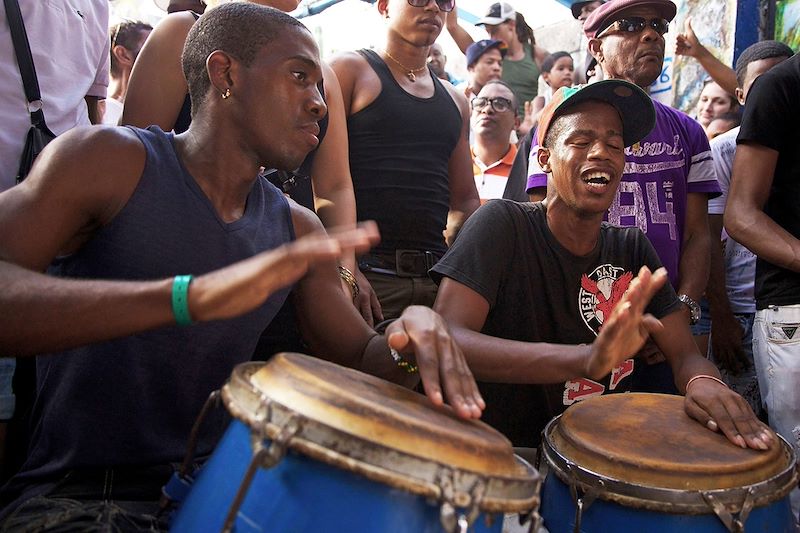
<point>304,220</point>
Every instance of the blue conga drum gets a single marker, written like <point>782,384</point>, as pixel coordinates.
<point>637,462</point>
<point>314,446</point>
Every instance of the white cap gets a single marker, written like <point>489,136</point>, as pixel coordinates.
<point>497,14</point>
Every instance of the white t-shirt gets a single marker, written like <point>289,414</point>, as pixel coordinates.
<point>113,112</point>
<point>70,47</point>
<point>740,263</point>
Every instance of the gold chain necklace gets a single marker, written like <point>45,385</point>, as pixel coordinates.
<point>409,71</point>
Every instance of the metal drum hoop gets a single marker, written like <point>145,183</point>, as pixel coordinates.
<point>665,500</point>
<point>460,488</point>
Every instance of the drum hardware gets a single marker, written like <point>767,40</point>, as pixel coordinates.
<point>263,456</point>
<point>414,470</point>
<point>176,489</point>
<point>451,499</point>
<point>587,498</point>
<point>734,525</point>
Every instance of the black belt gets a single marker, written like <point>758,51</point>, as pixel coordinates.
<point>404,264</point>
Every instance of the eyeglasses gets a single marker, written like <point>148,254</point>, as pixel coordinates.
<point>498,103</point>
<point>444,5</point>
<point>637,24</point>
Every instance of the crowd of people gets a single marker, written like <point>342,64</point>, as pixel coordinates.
<point>244,197</point>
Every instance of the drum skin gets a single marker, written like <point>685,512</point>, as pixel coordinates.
<point>360,454</point>
<point>653,465</point>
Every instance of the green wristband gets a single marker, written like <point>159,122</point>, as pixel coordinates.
<point>180,300</point>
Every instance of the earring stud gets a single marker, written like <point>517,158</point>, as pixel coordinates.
<point>226,94</point>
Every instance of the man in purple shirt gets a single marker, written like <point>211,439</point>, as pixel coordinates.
<point>669,174</point>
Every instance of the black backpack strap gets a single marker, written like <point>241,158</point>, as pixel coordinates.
<point>22,49</point>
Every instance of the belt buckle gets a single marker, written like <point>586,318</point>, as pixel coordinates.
<point>407,263</point>
<point>414,263</point>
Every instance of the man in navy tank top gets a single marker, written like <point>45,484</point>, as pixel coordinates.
<point>129,345</point>
<point>409,152</point>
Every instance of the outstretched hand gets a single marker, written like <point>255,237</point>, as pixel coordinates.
<point>687,43</point>
<point>628,327</point>
<point>720,409</point>
<point>243,286</point>
<point>422,332</point>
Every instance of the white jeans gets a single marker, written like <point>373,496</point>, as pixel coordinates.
<point>776,350</point>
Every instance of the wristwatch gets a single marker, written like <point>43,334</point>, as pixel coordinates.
<point>694,308</point>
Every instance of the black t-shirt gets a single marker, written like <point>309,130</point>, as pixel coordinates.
<point>540,292</point>
<point>770,119</point>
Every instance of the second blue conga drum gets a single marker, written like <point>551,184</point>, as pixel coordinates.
<point>637,462</point>
<point>317,447</point>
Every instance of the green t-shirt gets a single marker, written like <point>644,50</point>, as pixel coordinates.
<point>523,78</point>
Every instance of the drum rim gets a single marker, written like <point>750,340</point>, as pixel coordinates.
<point>668,500</point>
<point>420,476</point>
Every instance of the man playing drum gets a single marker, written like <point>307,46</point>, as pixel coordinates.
<point>554,315</point>
<point>141,344</point>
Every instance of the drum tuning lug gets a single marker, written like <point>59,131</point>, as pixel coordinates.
<point>463,524</point>
<point>732,523</point>
<point>264,457</point>
<point>583,502</point>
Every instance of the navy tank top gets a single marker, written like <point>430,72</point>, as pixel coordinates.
<point>400,146</point>
<point>133,401</point>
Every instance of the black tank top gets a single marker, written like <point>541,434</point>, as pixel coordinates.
<point>400,146</point>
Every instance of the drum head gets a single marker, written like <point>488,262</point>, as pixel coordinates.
<point>648,439</point>
<point>381,430</point>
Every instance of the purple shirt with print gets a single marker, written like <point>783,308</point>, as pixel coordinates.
<point>660,170</point>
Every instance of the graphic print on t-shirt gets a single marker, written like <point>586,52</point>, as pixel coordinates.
<point>600,292</point>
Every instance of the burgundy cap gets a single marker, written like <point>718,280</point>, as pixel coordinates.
<point>602,17</point>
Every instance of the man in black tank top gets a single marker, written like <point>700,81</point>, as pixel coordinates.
<point>409,152</point>
<point>131,343</point>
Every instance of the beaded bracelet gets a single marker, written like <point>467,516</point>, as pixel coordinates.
<point>706,376</point>
<point>180,300</point>
<point>350,279</point>
<point>402,363</point>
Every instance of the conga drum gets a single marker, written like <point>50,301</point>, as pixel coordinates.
<point>637,462</point>
<point>317,447</point>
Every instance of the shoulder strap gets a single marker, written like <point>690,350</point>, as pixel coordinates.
<point>23,50</point>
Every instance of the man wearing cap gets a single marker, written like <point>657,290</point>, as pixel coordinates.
<point>484,63</point>
<point>669,175</point>
<point>409,152</point>
<point>581,11</point>
<point>524,59</point>
<point>554,314</point>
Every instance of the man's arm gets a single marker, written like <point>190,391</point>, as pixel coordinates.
<point>459,34</point>
<point>79,183</point>
<point>687,44</point>
<point>709,402</point>
<point>464,198</point>
<point>93,109</point>
<point>157,88</point>
<point>696,249</point>
<point>506,361</point>
<point>745,220</point>
<point>334,198</point>
<point>726,332</point>
<point>335,331</point>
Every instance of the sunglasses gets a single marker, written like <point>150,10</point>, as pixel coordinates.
<point>637,25</point>
<point>498,103</point>
<point>444,5</point>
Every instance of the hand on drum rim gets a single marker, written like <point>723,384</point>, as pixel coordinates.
<point>442,365</point>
